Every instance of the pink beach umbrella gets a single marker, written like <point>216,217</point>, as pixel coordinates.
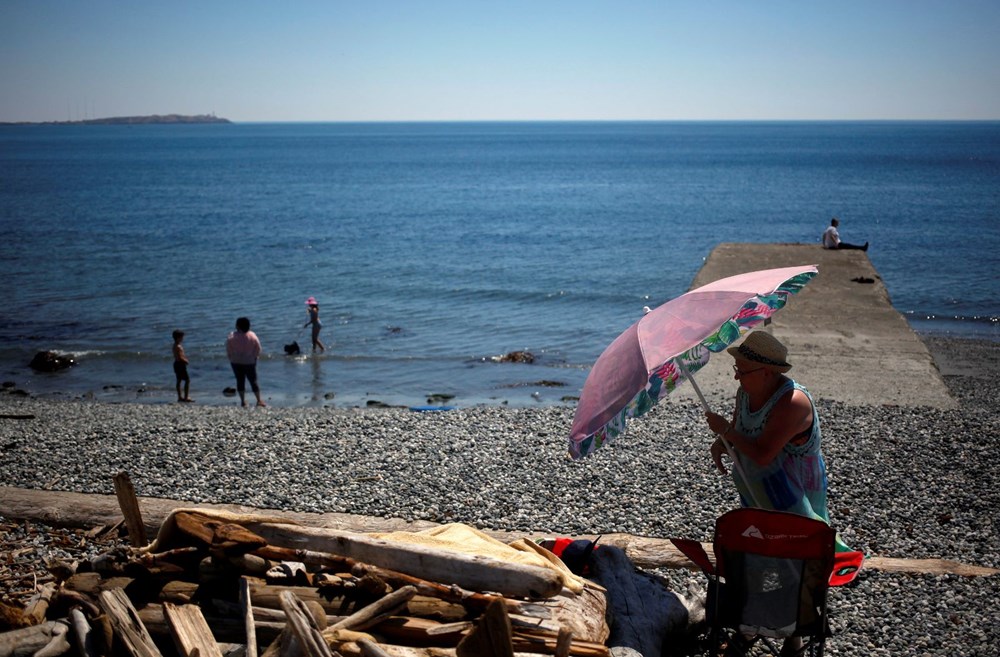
<point>669,344</point>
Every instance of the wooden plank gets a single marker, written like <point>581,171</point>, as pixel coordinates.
<point>129,504</point>
<point>191,633</point>
<point>246,608</point>
<point>126,624</point>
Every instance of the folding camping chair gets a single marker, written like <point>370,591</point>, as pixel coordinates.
<point>769,581</point>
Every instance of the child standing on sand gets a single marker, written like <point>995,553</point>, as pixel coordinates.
<point>180,367</point>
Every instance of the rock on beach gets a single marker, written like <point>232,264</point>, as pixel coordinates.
<point>904,482</point>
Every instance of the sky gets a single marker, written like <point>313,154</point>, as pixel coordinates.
<point>471,60</point>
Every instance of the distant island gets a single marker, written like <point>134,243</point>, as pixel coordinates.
<point>153,119</point>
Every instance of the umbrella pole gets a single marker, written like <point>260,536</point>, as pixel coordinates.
<point>729,448</point>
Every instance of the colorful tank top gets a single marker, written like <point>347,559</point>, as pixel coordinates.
<point>795,480</point>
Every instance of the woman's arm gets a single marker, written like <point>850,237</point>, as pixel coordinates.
<point>791,415</point>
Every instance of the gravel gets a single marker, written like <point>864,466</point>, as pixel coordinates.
<point>904,482</point>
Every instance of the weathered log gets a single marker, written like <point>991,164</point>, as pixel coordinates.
<point>301,622</point>
<point>86,510</point>
<point>83,634</point>
<point>29,641</point>
<point>38,606</point>
<point>222,538</point>
<point>126,624</point>
<point>456,594</point>
<point>191,633</point>
<point>246,604</point>
<point>381,608</point>
<point>129,503</point>
<point>474,572</point>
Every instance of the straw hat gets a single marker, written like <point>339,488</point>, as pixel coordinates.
<point>311,301</point>
<point>763,348</point>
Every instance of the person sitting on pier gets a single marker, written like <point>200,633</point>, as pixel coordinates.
<point>831,238</point>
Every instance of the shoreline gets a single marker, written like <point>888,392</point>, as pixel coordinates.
<point>534,391</point>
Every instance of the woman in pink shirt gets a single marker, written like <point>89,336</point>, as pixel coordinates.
<point>243,349</point>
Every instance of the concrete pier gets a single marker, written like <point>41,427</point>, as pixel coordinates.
<point>845,340</point>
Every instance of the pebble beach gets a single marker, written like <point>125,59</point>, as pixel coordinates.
<point>904,482</point>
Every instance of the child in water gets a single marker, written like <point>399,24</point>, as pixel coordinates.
<point>180,367</point>
<point>316,324</point>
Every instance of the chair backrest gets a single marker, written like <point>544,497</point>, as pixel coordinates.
<point>774,569</point>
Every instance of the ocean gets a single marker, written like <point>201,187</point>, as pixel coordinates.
<point>433,247</point>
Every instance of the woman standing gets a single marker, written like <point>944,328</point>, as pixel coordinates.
<point>314,321</point>
<point>243,349</point>
<point>775,431</point>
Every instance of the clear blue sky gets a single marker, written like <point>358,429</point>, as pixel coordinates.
<point>373,60</point>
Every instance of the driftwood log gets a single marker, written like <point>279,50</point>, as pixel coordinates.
<point>475,572</point>
<point>49,636</point>
<point>128,627</point>
<point>86,510</point>
<point>129,503</point>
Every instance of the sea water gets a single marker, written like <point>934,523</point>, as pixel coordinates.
<point>432,247</point>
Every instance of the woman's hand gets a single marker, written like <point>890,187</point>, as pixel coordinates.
<point>718,449</point>
<point>717,423</point>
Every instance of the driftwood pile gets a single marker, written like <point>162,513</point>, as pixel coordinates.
<point>217,583</point>
<point>211,588</point>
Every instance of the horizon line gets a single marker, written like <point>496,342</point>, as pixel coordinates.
<point>322,121</point>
